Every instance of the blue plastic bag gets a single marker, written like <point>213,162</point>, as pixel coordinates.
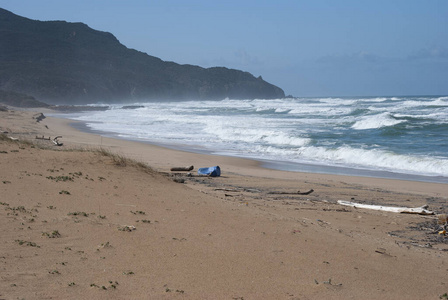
<point>211,171</point>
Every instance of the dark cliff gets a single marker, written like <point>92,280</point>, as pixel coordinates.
<point>70,63</point>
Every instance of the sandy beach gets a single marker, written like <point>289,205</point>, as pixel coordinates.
<point>83,223</point>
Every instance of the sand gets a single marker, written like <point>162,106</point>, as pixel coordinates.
<point>78,223</point>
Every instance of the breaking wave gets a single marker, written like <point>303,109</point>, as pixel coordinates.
<point>376,121</point>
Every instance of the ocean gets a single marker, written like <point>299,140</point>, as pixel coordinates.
<point>392,137</point>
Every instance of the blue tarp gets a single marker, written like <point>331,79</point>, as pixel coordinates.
<point>211,171</point>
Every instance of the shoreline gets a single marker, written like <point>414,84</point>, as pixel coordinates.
<point>154,155</point>
<point>234,165</point>
<point>277,165</point>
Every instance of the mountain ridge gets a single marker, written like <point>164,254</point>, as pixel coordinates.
<point>59,62</point>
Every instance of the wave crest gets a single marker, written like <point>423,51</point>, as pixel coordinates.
<point>376,121</point>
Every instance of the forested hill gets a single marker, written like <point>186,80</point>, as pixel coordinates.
<point>70,63</point>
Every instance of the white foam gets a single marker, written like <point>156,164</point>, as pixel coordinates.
<point>373,159</point>
<point>438,116</point>
<point>379,99</point>
<point>380,159</point>
<point>442,101</point>
<point>283,140</point>
<point>282,110</point>
<point>376,121</point>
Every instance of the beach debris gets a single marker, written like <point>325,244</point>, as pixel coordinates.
<point>105,245</point>
<point>422,210</point>
<point>210,171</point>
<point>328,282</point>
<point>179,169</point>
<point>39,117</point>
<point>291,193</point>
<point>56,141</point>
<point>323,222</point>
<point>442,220</point>
<point>42,138</point>
<point>128,228</point>
<point>13,138</point>
<point>238,190</point>
<point>383,251</point>
<point>228,190</point>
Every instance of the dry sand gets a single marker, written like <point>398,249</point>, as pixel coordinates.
<point>64,212</point>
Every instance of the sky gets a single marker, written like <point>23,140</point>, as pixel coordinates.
<point>309,48</point>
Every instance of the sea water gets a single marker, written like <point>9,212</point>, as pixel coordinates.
<point>398,137</point>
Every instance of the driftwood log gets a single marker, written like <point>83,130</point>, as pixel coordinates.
<point>42,138</point>
<point>291,193</point>
<point>422,210</point>
<point>177,169</point>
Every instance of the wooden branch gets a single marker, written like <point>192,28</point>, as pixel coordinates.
<point>42,138</point>
<point>177,169</point>
<point>291,193</point>
<point>228,190</point>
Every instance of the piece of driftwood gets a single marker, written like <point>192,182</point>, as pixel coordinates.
<point>291,193</point>
<point>422,210</point>
<point>228,190</point>
<point>384,252</point>
<point>42,138</point>
<point>56,142</point>
<point>177,169</point>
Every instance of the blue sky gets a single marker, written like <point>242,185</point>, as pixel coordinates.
<point>308,48</point>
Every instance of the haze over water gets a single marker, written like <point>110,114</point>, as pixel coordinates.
<point>396,135</point>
